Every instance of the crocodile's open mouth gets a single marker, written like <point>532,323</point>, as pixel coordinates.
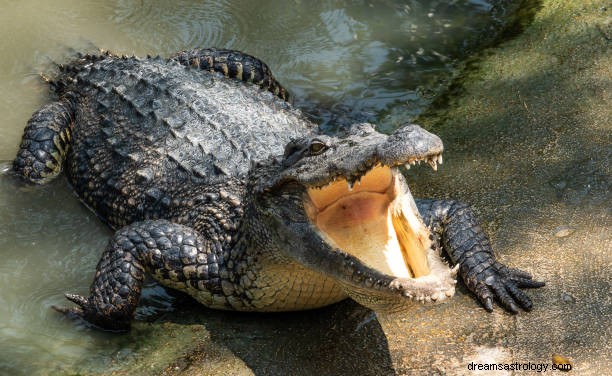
<point>376,221</point>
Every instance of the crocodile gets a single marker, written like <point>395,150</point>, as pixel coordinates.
<point>217,186</point>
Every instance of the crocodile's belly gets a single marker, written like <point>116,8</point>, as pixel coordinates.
<point>288,287</point>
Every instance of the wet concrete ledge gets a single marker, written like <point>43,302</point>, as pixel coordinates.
<point>527,135</point>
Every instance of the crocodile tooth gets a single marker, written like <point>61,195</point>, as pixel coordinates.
<point>412,161</point>
<point>433,164</point>
<point>454,271</point>
<point>407,165</point>
<point>326,185</point>
<point>350,185</point>
<point>439,158</point>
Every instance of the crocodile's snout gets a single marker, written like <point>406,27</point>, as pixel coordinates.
<point>411,143</point>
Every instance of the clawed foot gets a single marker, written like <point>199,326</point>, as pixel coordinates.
<point>431,288</point>
<point>87,312</point>
<point>503,284</point>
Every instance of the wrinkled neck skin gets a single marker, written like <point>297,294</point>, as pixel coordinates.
<point>341,207</point>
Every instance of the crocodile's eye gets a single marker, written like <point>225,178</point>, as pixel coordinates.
<point>316,147</point>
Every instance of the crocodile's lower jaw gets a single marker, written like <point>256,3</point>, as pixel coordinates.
<point>375,221</point>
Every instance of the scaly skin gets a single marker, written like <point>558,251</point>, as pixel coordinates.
<point>233,64</point>
<point>150,246</point>
<point>467,245</point>
<point>45,142</point>
<point>205,171</point>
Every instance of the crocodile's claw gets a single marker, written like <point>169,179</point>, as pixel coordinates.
<point>87,312</point>
<point>82,311</point>
<point>503,284</point>
<point>82,306</point>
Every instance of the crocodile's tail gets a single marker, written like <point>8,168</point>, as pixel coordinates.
<point>233,64</point>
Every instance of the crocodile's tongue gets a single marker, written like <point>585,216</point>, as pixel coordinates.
<point>375,221</point>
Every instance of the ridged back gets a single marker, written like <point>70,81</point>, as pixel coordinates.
<point>138,112</point>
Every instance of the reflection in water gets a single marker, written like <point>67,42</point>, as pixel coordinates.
<point>343,60</point>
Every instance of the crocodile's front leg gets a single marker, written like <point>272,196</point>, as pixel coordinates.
<point>172,253</point>
<point>45,141</point>
<point>457,228</point>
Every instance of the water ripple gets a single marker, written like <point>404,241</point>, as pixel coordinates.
<point>166,27</point>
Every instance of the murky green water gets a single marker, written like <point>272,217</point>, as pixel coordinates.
<point>344,61</point>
